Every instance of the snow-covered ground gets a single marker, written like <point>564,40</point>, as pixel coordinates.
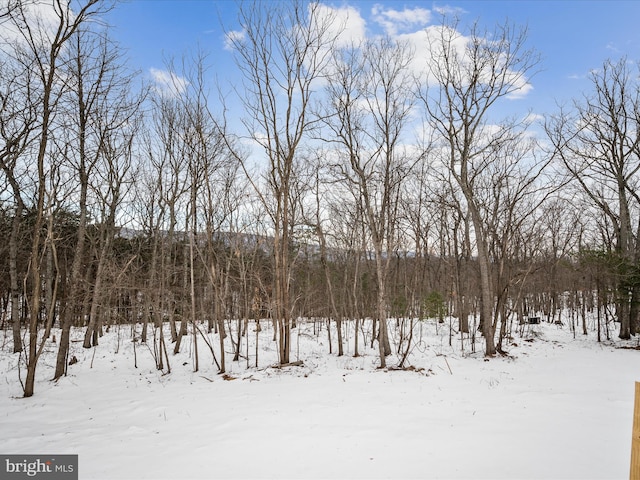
<point>555,408</point>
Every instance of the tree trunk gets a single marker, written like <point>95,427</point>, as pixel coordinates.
<point>13,278</point>
<point>486,290</point>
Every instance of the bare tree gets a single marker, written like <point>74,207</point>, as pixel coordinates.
<point>100,109</point>
<point>167,154</point>
<point>467,76</point>
<point>42,44</point>
<point>18,123</point>
<point>346,235</point>
<point>281,52</point>
<point>116,178</point>
<point>513,190</point>
<point>369,99</point>
<point>317,220</point>
<point>209,177</point>
<point>597,142</point>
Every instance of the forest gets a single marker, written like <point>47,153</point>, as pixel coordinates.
<point>350,185</point>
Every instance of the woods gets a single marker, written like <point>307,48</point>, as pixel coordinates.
<point>349,183</point>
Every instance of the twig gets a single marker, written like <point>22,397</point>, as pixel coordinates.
<point>447,362</point>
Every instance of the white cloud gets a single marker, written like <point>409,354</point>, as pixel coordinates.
<point>521,88</point>
<point>411,25</point>
<point>41,17</point>
<point>233,37</point>
<point>399,21</point>
<point>534,118</point>
<point>448,10</point>
<point>423,67</point>
<point>421,42</point>
<point>168,83</point>
<point>612,47</point>
<point>343,27</point>
<point>347,24</point>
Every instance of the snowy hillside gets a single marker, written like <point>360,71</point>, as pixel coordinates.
<point>555,408</point>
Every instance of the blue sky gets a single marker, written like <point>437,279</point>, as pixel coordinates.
<point>573,37</point>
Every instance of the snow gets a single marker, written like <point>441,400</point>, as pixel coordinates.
<point>557,407</point>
